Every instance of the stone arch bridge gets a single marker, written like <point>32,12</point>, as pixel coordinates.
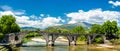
<point>10,38</point>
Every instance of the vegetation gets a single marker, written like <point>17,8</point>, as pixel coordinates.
<point>79,30</point>
<point>8,24</point>
<point>32,34</point>
<point>95,29</point>
<point>109,28</point>
<point>29,36</point>
<point>1,35</point>
<point>115,42</point>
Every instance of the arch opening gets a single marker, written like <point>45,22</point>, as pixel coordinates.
<point>81,39</point>
<point>62,41</point>
<point>98,39</point>
<point>33,39</point>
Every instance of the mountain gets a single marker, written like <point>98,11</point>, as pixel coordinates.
<point>71,26</point>
<point>28,28</point>
<point>64,26</point>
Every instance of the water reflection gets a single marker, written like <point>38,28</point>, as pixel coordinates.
<point>48,48</point>
<point>63,47</point>
<point>71,48</point>
<point>67,48</point>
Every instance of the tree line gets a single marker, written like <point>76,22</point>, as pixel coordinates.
<point>109,28</point>
<point>8,25</point>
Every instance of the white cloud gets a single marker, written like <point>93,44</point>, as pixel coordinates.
<point>5,8</point>
<point>93,16</point>
<point>16,12</point>
<point>42,15</point>
<point>117,3</point>
<point>19,12</point>
<point>50,21</point>
<point>6,13</point>
<point>25,21</point>
<point>32,20</point>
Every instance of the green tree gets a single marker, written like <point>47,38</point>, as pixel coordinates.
<point>8,24</point>
<point>96,28</point>
<point>1,36</point>
<point>110,29</point>
<point>118,33</point>
<point>78,29</point>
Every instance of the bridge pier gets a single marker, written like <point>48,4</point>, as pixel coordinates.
<point>51,43</point>
<point>104,39</point>
<point>89,39</point>
<point>72,40</point>
<point>50,39</point>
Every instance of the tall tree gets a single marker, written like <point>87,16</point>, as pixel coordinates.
<point>110,29</point>
<point>8,24</point>
<point>96,28</point>
<point>78,29</point>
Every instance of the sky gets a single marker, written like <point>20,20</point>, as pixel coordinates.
<point>45,13</point>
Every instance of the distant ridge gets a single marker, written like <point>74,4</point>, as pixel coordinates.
<point>28,28</point>
<point>71,26</point>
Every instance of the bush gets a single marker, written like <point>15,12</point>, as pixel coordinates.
<point>1,35</point>
<point>115,42</point>
<point>25,40</point>
<point>98,40</point>
<point>81,38</point>
<point>32,35</point>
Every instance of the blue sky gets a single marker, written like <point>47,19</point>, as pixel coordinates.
<point>44,13</point>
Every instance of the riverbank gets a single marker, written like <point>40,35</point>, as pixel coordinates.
<point>3,48</point>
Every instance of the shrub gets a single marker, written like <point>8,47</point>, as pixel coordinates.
<point>98,40</point>
<point>1,35</point>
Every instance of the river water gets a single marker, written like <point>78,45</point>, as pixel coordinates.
<point>66,48</point>
<point>63,47</point>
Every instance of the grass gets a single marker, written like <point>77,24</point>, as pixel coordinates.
<point>3,48</point>
<point>80,42</point>
<point>115,42</point>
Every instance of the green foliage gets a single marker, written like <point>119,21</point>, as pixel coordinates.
<point>95,28</point>
<point>38,29</point>
<point>98,40</point>
<point>29,36</point>
<point>81,38</point>
<point>33,34</point>
<point>57,30</point>
<point>78,29</point>
<point>25,40</point>
<point>118,32</point>
<point>110,27</point>
<point>8,24</point>
<point>115,42</point>
<point>1,35</point>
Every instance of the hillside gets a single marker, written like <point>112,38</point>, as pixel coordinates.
<point>71,26</point>
<point>28,28</point>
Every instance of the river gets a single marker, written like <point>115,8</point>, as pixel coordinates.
<point>66,48</point>
<point>63,47</point>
